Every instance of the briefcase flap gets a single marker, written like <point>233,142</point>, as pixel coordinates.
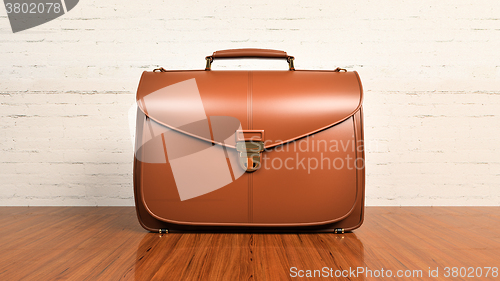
<point>285,105</point>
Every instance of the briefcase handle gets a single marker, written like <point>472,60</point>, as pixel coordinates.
<point>249,53</point>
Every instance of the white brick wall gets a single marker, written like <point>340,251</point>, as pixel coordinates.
<point>431,73</point>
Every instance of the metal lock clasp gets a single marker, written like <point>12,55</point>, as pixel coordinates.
<point>250,154</point>
<point>249,144</point>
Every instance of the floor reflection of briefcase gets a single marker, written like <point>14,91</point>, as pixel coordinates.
<point>249,150</point>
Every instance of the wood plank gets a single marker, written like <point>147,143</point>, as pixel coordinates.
<point>107,243</point>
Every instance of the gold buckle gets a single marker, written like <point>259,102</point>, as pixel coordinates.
<point>209,60</point>
<point>290,63</point>
<point>250,154</point>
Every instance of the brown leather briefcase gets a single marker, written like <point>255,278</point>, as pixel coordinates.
<point>249,150</point>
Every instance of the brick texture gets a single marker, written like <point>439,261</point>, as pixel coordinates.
<point>430,69</point>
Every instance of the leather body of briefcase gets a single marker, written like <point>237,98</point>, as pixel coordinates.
<point>272,150</point>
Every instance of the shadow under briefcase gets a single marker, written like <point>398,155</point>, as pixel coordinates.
<point>249,150</point>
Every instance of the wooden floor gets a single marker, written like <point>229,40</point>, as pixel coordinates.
<point>107,243</point>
